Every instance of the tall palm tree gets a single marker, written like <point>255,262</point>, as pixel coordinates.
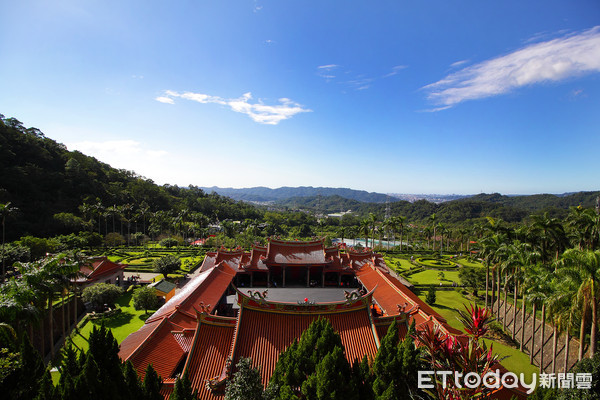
<point>399,224</point>
<point>587,262</point>
<point>564,307</point>
<point>433,218</point>
<point>518,257</point>
<point>373,222</point>
<point>539,290</point>
<point>365,227</point>
<point>491,254</point>
<point>5,211</point>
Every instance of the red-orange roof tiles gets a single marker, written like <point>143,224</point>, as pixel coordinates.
<point>212,345</point>
<point>283,252</point>
<point>206,288</point>
<point>263,335</point>
<point>161,350</point>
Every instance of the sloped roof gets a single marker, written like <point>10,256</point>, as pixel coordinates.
<point>207,288</point>
<point>212,346</point>
<point>263,334</point>
<point>97,268</point>
<point>160,349</point>
<point>286,252</point>
<point>164,286</point>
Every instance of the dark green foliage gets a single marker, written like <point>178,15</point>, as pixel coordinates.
<point>166,264</point>
<point>183,389</point>
<point>168,242</point>
<point>331,380</point>
<point>42,179</point>
<point>472,278</point>
<point>47,390</point>
<point>395,365</point>
<point>430,298</point>
<point>100,294</point>
<point>587,365</point>
<point>133,385</point>
<point>152,384</point>
<point>362,379</point>
<point>303,358</point>
<point>145,298</point>
<point>246,383</point>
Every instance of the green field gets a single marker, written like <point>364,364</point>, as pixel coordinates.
<point>448,301</point>
<point>430,277</point>
<point>122,324</point>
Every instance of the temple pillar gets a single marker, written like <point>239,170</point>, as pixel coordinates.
<point>307,276</point>
<point>323,277</point>
<point>251,279</point>
<point>269,278</point>
<point>339,279</point>
<point>283,283</point>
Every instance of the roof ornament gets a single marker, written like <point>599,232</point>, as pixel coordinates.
<point>351,297</point>
<point>203,309</point>
<point>306,302</point>
<point>258,296</point>
<point>217,383</point>
<point>403,309</point>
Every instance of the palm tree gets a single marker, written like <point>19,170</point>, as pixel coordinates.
<point>587,263</point>
<point>490,252</point>
<point>5,210</point>
<point>365,227</point>
<point>539,290</point>
<point>519,256</point>
<point>433,218</point>
<point>549,235</point>
<point>373,222</point>
<point>564,307</point>
<point>461,233</point>
<point>400,221</point>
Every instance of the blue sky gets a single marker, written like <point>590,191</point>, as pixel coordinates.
<point>387,96</point>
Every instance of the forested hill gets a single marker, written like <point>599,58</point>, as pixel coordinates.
<point>508,208</point>
<point>42,178</point>
<point>264,194</point>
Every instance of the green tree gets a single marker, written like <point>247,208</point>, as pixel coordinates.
<point>246,383</point>
<point>100,294</point>
<point>166,264</point>
<point>472,278</point>
<point>5,210</point>
<point>299,361</point>
<point>145,298</point>
<point>183,389</point>
<point>430,298</point>
<point>152,384</point>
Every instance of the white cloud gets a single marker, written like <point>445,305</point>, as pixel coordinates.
<point>395,70</point>
<point>164,99</point>
<point>459,63</point>
<point>259,112</point>
<point>550,61</point>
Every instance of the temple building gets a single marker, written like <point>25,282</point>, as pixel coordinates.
<point>203,331</point>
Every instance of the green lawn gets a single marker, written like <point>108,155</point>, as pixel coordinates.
<point>467,263</point>
<point>430,277</point>
<point>121,325</point>
<point>448,301</point>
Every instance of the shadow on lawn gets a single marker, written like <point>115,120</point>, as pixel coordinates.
<point>115,320</point>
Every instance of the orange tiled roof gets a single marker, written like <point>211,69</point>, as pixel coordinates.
<point>97,268</point>
<point>263,335</point>
<point>160,349</point>
<point>212,346</point>
<point>207,288</point>
<point>286,252</point>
